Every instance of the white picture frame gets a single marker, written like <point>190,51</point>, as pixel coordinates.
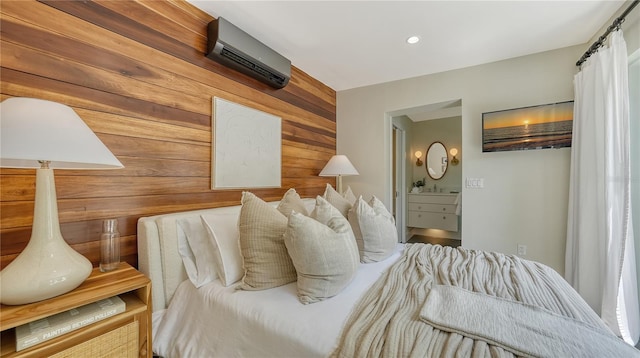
<point>246,147</point>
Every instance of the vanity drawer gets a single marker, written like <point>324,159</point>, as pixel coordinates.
<point>430,220</point>
<point>435,208</point>
<point>433,198</point>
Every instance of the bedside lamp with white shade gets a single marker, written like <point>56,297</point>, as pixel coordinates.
<point>338,166</point>
<point>46,135</point>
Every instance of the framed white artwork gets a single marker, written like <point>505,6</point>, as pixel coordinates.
<point>246,147</point>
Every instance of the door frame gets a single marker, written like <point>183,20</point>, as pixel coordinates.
<point>399,187</point>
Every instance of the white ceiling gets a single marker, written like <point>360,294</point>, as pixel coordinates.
<point>349,44</point>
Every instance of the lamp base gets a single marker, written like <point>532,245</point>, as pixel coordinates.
<point>48,266</point>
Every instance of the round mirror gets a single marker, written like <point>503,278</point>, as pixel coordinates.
<point>436,161</point>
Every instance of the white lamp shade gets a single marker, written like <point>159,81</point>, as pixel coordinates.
<point>38,130</point>
<point>338,165</point>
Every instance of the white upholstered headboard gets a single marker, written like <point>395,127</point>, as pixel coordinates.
<point>158,255</point>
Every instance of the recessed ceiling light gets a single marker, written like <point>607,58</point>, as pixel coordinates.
<point>413,39</point>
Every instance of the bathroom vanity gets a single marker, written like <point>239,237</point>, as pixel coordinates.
<point>433,211</point>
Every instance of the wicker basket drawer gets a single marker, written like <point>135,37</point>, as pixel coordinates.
<point>122,342</point>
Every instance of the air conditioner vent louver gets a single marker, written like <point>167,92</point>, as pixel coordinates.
<point>259,70</point>
<point>235,48</point>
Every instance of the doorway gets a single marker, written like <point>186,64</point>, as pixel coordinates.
<point>405,125</point>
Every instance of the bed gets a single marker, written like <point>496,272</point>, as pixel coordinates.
<point>417,300</point>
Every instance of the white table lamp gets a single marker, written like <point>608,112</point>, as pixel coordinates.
<point>338,166</point>
<point>46,135</point>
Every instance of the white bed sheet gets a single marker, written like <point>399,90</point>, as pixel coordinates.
<point>218,321</point>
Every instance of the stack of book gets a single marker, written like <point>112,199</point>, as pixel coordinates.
<point>50,327</point>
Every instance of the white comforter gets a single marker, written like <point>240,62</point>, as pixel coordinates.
<point>218,321</point>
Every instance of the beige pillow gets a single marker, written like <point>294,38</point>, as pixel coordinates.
<point>323,211</point>
<point>325,256</point>
<point>291,201</point>
<point>337,200</point>
<point>348,194</point>
<point>374,228</point>
<point>265,259</point>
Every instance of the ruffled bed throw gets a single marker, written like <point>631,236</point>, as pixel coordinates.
<point>451,302</point>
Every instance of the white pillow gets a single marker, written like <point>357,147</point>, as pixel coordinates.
<point>325,256</point>
<point>374,228</point>
<point>196,251</point>
<point>225,238</point>
<point>337,200</point>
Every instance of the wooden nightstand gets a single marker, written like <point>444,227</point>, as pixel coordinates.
<point>127,334</point>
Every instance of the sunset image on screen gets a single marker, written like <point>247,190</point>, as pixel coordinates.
<point>546,126</point>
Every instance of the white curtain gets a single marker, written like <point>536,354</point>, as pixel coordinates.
<point>600,256</point>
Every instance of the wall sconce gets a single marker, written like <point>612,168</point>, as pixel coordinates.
<point>454,160</point>
<point>418,155</point>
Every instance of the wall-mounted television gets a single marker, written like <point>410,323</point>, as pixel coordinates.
<point>535,127</point>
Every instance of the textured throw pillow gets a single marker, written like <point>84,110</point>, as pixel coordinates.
<point>324,211</point>
<point>333,197</point>
<point>348,194</point>
<point>291,201</point>
<point>265,259</point>
<point>325,256</point>
<point>225,238</point>
<point>196,251</point>
<point>374,228</point>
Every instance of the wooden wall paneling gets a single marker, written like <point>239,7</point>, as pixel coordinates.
<point>325,97</point>
<point>117,61</point>
<point>299,132</point>
<point>119,23</point>
<point>165,60</point>
<point>179,132</point>
<point>15,83</point>
<point>136,72</point>
<point>19,214</point>
<point>162,17</point>
<point>45,65</point>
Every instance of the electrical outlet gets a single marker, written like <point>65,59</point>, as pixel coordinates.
<point>522,250</point>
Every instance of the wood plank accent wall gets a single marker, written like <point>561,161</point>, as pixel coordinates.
<point>135,71</point>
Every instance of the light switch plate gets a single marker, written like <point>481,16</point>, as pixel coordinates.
<point>475,183</point>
